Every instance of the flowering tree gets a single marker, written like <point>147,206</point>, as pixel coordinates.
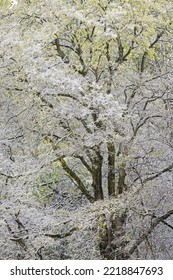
<point>90,87</point>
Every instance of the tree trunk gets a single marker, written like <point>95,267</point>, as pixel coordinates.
<point>111,169</point>
<point>111,236</point>
<point>97,178</point>
<point>118,236</point>
<point>105,238</point>
<point>121,180</point>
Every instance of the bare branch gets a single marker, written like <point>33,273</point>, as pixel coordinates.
<point>146,233</point>
<point>167,169</point>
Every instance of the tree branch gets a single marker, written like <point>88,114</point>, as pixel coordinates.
<point>57,235</point>
<point>75,177</point>
<point>167,169</point>
<point>146,233</point>
<point>151,46</point>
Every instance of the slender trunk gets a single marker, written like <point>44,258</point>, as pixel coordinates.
<point>111,169</point>
<point>97,178</point>
<point>97,162</point>
<point>121,180</point>
<point>122,170</point>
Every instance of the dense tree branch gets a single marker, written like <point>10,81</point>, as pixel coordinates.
<point>167,169</point>
<point>147,232</point>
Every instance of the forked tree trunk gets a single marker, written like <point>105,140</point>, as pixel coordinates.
<point>111,237</point>
<point>112,229</point>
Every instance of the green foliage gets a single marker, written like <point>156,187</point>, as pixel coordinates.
<point>44,190</point>
<point>5,3</point>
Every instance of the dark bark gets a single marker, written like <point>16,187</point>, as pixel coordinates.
<point>102,233</point>
<point>105,238</point>
<point>97,178</point>
<point>97,161</point>
<point>118,236</point>
<point>111,236</point>
<point>111,169</point>
<point>142,66</point>
<point>60,236</point>
<point>121,180</point>
<point>77,180</point>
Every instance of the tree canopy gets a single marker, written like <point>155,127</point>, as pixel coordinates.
<point>87,111</point>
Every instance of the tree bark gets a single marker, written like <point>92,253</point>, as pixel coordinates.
<point>111,169</point>
<point>118,236</point>
<point>77,180</point>
<point>97,178</point>
<point>111,236</point>
<point>121,180</point>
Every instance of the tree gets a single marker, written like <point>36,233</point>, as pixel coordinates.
<point>96,83</point>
